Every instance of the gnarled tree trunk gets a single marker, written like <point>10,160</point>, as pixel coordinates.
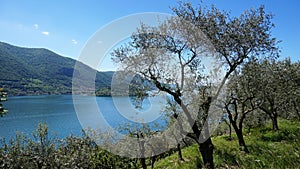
<point>179,152</point>
<point>206,148</point>
<point>274,121</point>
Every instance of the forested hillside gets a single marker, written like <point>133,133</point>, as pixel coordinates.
<point>28,71</point>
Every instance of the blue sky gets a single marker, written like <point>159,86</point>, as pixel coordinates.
<point>65,26</point>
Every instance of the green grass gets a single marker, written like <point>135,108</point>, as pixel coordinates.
<point>268,149</point>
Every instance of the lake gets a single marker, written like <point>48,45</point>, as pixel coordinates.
<point>58,112</point>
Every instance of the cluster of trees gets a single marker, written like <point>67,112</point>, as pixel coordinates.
<point>244,59</point>
<point>33,71</point>
<point>41,151</point>
<point>262,90</point>
<point>171,55</point>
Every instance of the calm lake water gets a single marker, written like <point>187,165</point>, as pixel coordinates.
<point>58,112</point>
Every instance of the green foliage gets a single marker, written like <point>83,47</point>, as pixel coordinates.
<point>45,152</point>
<point>289,132</point>
<point>268,149</point>
<point>103,159</point>
<point>281,149</point>
<point>190,155</point>
<point>31,71</point>
<point>3,97</point>
<point>165,53</point>
<point>275,85</point>
<point>103,92</point>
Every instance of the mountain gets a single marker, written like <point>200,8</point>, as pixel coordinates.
<point>31,71</point>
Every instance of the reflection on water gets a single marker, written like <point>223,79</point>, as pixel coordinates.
<point>25,112</point>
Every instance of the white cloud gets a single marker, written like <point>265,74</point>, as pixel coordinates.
<point>45,33</point>
<point>75,42</point>
<point>36,26</point>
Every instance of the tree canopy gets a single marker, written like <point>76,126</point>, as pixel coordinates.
<point>172,55</point>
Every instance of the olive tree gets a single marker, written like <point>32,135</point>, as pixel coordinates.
<point>255,119</point>
<point>172,54</point>
<point>277,84</point>
<point>240,101</point>
<point>292,90</point>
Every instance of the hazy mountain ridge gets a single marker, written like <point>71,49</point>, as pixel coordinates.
<point>31,71</point>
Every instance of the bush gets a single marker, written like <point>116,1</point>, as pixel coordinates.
<point>71,152</point>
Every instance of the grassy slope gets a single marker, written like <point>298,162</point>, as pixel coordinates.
<point>268,149</point>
